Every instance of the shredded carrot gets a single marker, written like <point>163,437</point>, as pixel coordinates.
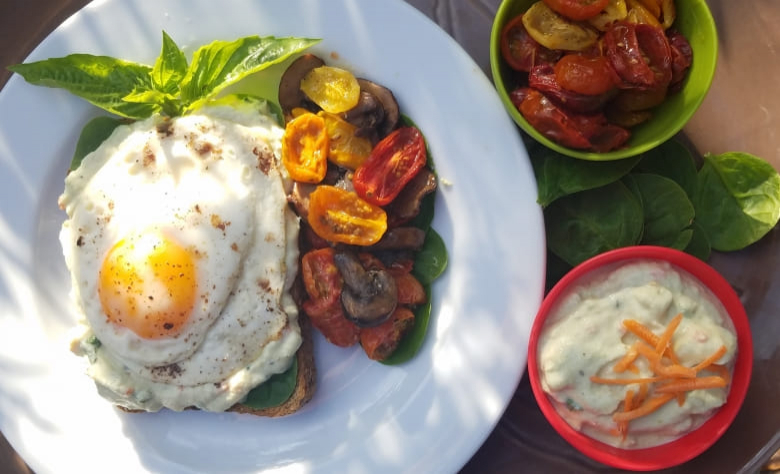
<point>644,333</point>
<point>687,385</point>
<point>670,379</point>
<point>649,406</point>
<point>627,360</point>
<point>602,380</point>
<point>666,338</point>
<point>711,359</point>
<point>721,370</point>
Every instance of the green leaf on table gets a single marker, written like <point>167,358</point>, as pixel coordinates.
<point>591,222</point>
<point>102,80</point>
<point>737,199</point>
<point>673,160</point>
<point>92,135</point>
<point>558,175</point>
<point>667,211</point>
<point>699,246</point>
<point>222,63</point>
<point>274,391</point>
<point>170,67</point>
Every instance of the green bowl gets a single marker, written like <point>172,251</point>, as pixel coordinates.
<point>694,20</point>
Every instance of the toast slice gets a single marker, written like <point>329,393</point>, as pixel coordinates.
<point>306,382</point>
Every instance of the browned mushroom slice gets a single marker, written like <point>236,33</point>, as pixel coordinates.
<point>401,238</point>
<point>290,93</point>
<point>407,204</point>
<point>376,113</point>
<point>369,297</point>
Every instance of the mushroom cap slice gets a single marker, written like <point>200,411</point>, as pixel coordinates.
<point>369,297</point>
<point>290,93</point>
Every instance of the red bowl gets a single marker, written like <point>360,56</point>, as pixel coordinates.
<point>691,444</point>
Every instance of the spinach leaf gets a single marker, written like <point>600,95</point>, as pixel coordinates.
<point>591,222</point>
<point>431,260</point>
<point>92,135</point>
<point>667,211</point>
<point>699,246</point>
<point>737,199</point>
<point>103,81</point>
<point>411,343</point>
<point>170,67</point>
<point>673,160</point>
<point>274,391</point>
<point>558,175</point>
<point>222,63</point>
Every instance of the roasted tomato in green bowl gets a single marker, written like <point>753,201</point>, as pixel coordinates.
<point>602,79</point>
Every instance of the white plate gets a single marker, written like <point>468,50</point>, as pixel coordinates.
<point>429,415</point>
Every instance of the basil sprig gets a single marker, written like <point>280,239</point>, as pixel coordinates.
<point>171,86</point>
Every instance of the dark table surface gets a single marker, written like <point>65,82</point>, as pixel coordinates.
<point>741,113</point>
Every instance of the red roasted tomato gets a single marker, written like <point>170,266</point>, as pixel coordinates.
<point>521,51</point>
<point>585,75</point>
<point>393,162</point>
<point>577,9</point>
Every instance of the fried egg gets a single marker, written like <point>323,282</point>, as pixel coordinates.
<point>182,252</point>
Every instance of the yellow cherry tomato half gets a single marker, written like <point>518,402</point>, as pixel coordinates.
<point>305,148</point>
<point>554,31</point>
<point>342,216</point>
<point>335,90</point>
<point>346,149</point>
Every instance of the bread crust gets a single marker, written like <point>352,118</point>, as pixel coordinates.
<point>305,386</point>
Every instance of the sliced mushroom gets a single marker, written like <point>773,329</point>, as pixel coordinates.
<point>290,93</point>
<point>407,204</point>
<point>401,238</point>
<point>369,296</point>
<point>377,113</point>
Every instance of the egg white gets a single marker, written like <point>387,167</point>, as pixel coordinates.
<point>212,182</point>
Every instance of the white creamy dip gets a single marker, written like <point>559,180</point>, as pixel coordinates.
<point>584,336</point>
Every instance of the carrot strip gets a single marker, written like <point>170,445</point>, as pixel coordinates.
<point>721,370</point>
<point>666,338</point>
<point>627,360</point>
<point>644,333</point>
<point>628,405</point>
<point>644,388</point>
<point>649,406</point>
<point>691,384</point>
<point>633,369</point>
<point>642,380</point>
<point>711,359</point>
<point>673,370</point>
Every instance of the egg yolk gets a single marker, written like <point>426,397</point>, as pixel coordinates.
<point>148,284</point>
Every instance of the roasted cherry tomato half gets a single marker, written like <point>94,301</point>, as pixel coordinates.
<point>567,128</point>
<point>342,216</point>
<point>554,31</point>
<point>543,79</point>
<point>520,51</point>
<point>305,148</point>
<point>334,89</point>
<point>640,54</point>
<point>323,284</point>
<point>346,149</point>
<point>577,10</point>
<point>585,75</point>
<point>393,162</point>
<point>379,342</point>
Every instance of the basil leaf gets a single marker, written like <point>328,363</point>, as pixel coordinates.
<point>412,342</point>
<point>673,160</point>
<point>222,63</point>
<point>170,67</point>
<point>558,175</point>
<point>92,135</point>
<point>667,211</point>
<point>103,81</point>
<point>591,222</point>
<point>274,391</point>
<point>737,199</point>
<point>431,260</point>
